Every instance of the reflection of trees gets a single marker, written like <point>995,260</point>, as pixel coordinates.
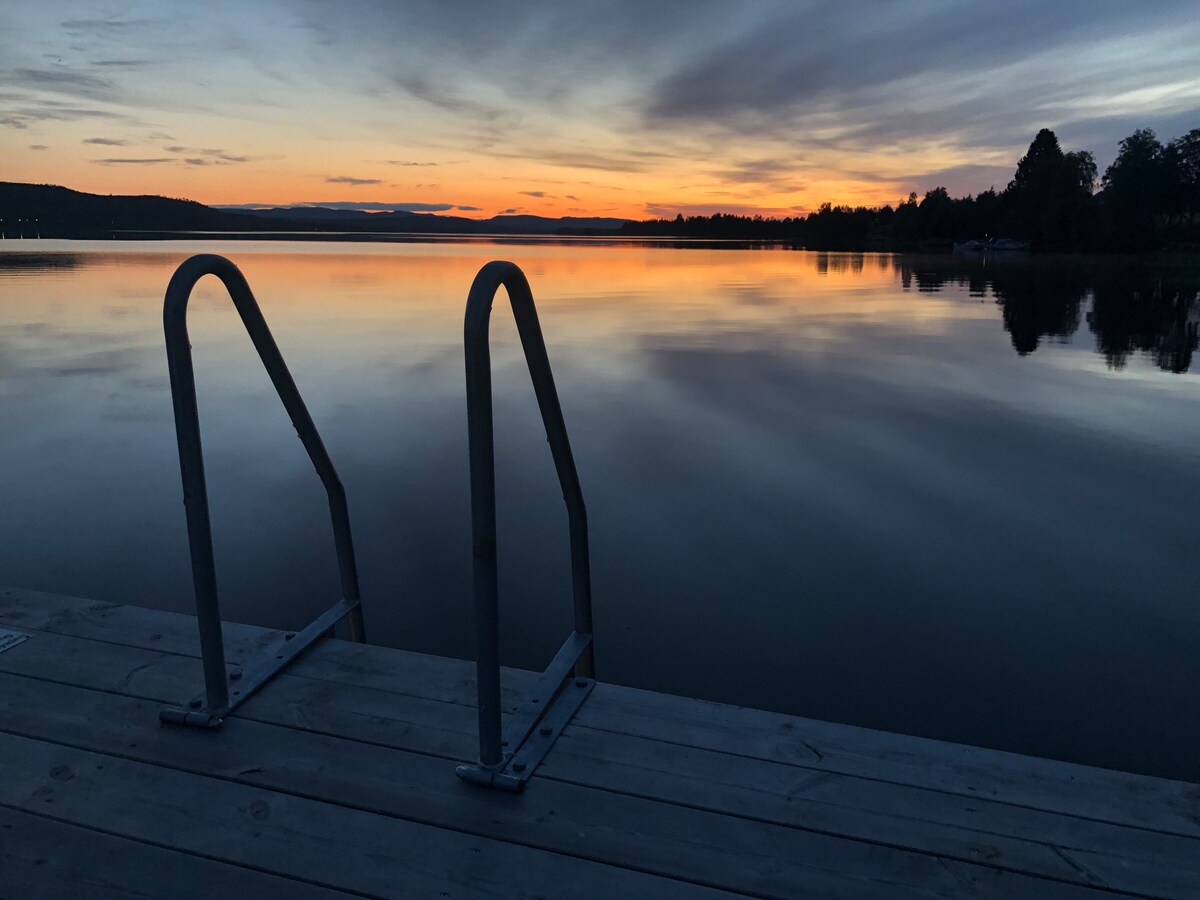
<point>1038,301</point>
<point>24,263</point>
<point>1035,300</point>
<point>1134,308</point>
<point>1154,312</point>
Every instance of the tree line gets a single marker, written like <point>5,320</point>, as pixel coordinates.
<point>1148,199</point>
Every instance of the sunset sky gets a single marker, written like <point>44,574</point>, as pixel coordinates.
<point>630,109</point>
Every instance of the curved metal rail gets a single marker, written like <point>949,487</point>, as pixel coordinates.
<point>223,692</point>
<point>506,761</point>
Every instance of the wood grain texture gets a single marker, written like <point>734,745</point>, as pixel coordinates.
<point>689,794</point>
<point>45,859</point>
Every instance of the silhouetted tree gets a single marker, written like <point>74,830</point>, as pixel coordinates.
<point>1135,190</point>
<point>1049,199</point>
<point>1181,159</point>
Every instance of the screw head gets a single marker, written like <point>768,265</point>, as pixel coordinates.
<point>580,682</point>
<point>518,767</point>
<point>235,676</point>
<point>546,731</point>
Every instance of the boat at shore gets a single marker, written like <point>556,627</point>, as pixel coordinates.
<point>995,245</point>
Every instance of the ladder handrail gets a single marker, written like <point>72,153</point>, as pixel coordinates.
<point>195,491</point>
<point>577,652</point>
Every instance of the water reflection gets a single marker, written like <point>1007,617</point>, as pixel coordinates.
<point>819,483</point>
<point>19,263</point>
<point>1152,307</point>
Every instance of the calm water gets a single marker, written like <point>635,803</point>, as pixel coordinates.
<point>928,495</point>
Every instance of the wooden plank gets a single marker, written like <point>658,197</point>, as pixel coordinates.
<point>1012,837</point>
<point>971,830</point>
<point>45,859</point>
<point>323,844</point>
<point>669,840</point>
<point>966,829</point>
<point>970,772</point>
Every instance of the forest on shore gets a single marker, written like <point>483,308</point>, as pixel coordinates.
<point>1148,199</point>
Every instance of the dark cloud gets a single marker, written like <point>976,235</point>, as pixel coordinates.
<point>106,142</point>
<point>52,111</point>
<point>347,179</point>
<point>403,162</point>
<point>109,24</point>
<point>122,63</point>
<point>893,75</point>
<point>62,81</point>
<point>761,171</point>
<point>538,194</point>
<point>508,212</point>
<point>821,75</point>
<point>38,147</point>
<point>214,157</point>
<point>112,161</point>
<point>449,100</point>
<point>469,208</point>
<point>616,161</point>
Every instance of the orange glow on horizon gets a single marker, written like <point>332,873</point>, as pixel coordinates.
<point>492,187</point>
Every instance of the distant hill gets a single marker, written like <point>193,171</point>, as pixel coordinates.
<point>426,221</point>
<point>59,212</point>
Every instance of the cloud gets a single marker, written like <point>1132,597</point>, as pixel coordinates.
<point>447,99</point>
<point>106,142</point>
<point>38,147</point>
<point>403,162</point>
<point>62,81</point>
<point>777,174</point>
<point>109,23</point>
<point>214,157</point>
<point>469,208</point>
<point>122,63</point>
<point>54,111</point>
<point>538,194</point>
<point>111,161</point>
<point>926,74</point>
<point>346,179</point>
<point>507,212</point>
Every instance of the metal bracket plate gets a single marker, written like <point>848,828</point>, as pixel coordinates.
<point>536,725</point>
<point>10,639</point>
<point>257,670</point>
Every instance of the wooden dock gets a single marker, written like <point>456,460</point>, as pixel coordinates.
<point>338,780</point>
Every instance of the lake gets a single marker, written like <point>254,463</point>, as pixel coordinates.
<point>947,496</point>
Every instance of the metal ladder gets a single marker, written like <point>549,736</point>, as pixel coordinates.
<point>508,759</point>
<point>224,691</point>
